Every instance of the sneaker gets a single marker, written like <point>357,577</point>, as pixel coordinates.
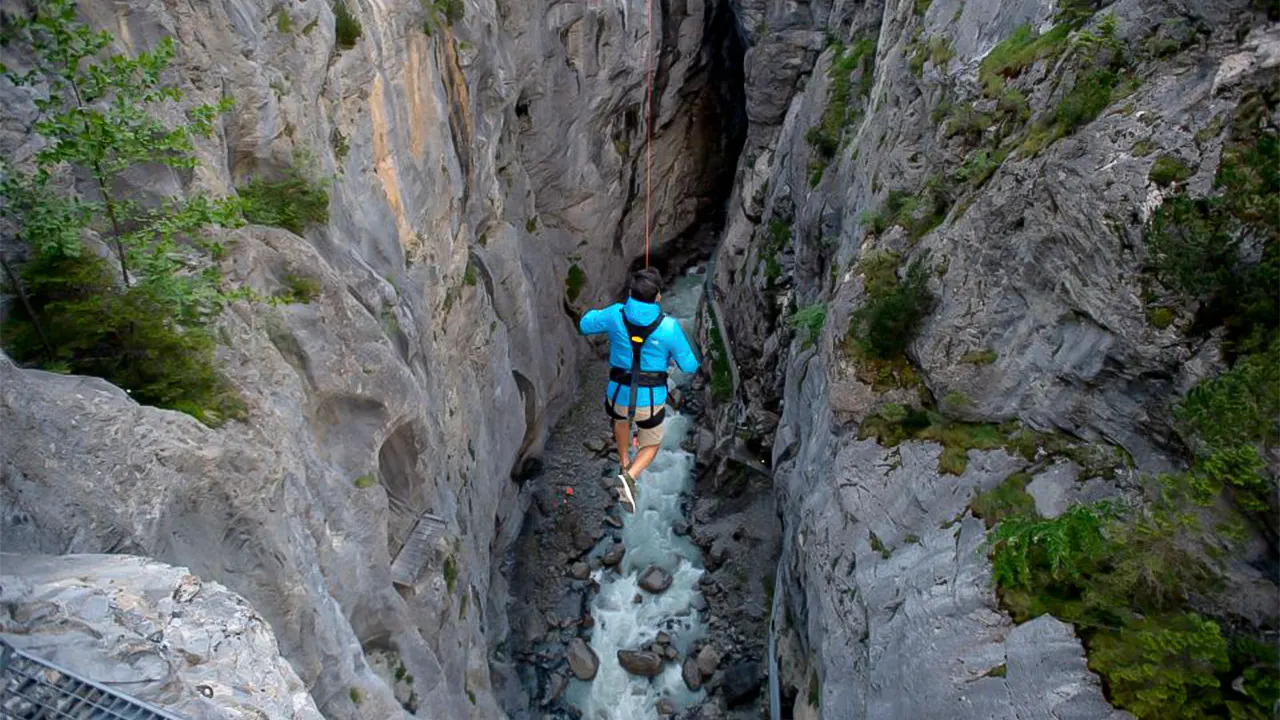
<point>626,491</point>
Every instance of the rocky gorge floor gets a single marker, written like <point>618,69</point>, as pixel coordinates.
<point>706,657</point>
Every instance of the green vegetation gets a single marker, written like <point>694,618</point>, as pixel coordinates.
<point>815,689</point>
<point>470,278</point>
<point>366,481</point>
<point>1096,86</point>
<point>922,6</point>
<point>979,357</point>
<point>895,423</point>
<point>1017,53</point>
<point>1007,499</point>
<point>721,374</point>
<point>346,26</point>
<point>917,214</point>
<point>531,224</point>
<point>936,50</point>
<point>299,289</point>
<point>293,203</point>
<point>442,11</point>
<point>471,696</point>
<point>284,23</point>
<point>1143,148</point>
<point>137,309</point>
<point>574,282</point>
<point>810,319</point>
<point>878,546</point>
<point>779,236</point>
<point>1124,577</point>
<point>998,671</point>
<point>979,166</point>
<point>851,75</point>
<point>892,312</point>
<point>450,573</point>
<point>1198,245</point>
<point>356,695</point>
<point>1159,317</point>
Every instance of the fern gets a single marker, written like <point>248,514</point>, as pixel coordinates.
<point>1062,546</point>
<point>1163,667</point>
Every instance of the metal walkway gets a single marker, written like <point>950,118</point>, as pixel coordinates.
<point>35,689</point>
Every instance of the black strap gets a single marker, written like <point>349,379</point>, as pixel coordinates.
<point>638,334</point>
<point>654,420</point>
<point>644,378</point>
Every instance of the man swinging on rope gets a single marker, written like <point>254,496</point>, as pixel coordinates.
<point>642,342</point>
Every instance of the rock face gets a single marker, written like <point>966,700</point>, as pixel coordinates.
<point>469,170</point>
<point>640,662</point>
<point>883,598</point>
<point>583,661</point>
<point>153,631</point>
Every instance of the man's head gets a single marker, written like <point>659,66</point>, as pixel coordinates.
<point>646,285</point>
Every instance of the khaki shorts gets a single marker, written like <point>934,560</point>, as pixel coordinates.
<point>644,436</point>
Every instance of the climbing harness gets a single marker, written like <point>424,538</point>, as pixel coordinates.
<point>648,123</point>
<point>635,377</point>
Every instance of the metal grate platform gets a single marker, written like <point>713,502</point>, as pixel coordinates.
<point>35,689</point>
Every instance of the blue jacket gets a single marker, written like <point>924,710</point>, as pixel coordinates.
<point>665,344</point>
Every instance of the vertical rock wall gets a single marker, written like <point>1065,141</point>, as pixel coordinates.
<point>884,606</point>
<point>469,168</point>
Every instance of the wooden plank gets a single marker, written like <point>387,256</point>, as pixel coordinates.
<point>409,563</point>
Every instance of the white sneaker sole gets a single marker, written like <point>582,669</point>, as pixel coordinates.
<point>625,498</point>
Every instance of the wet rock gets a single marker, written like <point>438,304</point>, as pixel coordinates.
<point>556,685</point>
<point>583,661</point>
<point>655,579</point>
<point>614,555</point>
<point>708,661</point>
<point>699,603</point>
<point>670,652</point>
<point>594,445</point>
<point>680,527</point>
<point>579,571</point>
<point>612,521</point>
<point>640,662</point>
<point>691,673</point>
<point>665,707</point>
<point>741,683</point>
<point>663,638</point>
<point>637,599</point>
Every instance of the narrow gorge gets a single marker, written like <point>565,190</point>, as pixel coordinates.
<point>986,295</point>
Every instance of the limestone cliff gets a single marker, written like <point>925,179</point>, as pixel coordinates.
<point>862,152</point>
<point>471,164</point>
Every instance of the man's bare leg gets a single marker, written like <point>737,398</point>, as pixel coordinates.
<point>622,435</point>
<point>643,458</point>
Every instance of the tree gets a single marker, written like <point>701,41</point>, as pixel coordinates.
<point>146,329</point>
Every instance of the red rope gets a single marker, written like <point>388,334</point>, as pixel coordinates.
<point>648,122</point>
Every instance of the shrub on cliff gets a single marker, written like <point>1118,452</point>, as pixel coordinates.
<point>112,285</point>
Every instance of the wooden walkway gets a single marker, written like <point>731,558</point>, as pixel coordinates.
<point>409,563</point>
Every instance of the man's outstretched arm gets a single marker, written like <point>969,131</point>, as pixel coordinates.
<point>682,353</point>
<point>593,323</point>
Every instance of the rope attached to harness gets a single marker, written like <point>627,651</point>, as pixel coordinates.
<point>648,124</point>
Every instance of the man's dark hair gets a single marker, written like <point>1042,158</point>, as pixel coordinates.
<point>645,284</point>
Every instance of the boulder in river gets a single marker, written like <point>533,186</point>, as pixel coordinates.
<point>579,571</point>
<point>640,662</point>
<point>614,555</point>
<point>708,661</point>
<point>583,661</point>
<point>691,673</point>
<point>655,579</point>
<point>665,707</point>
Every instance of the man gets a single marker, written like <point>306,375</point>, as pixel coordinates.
<point>643,341</point>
